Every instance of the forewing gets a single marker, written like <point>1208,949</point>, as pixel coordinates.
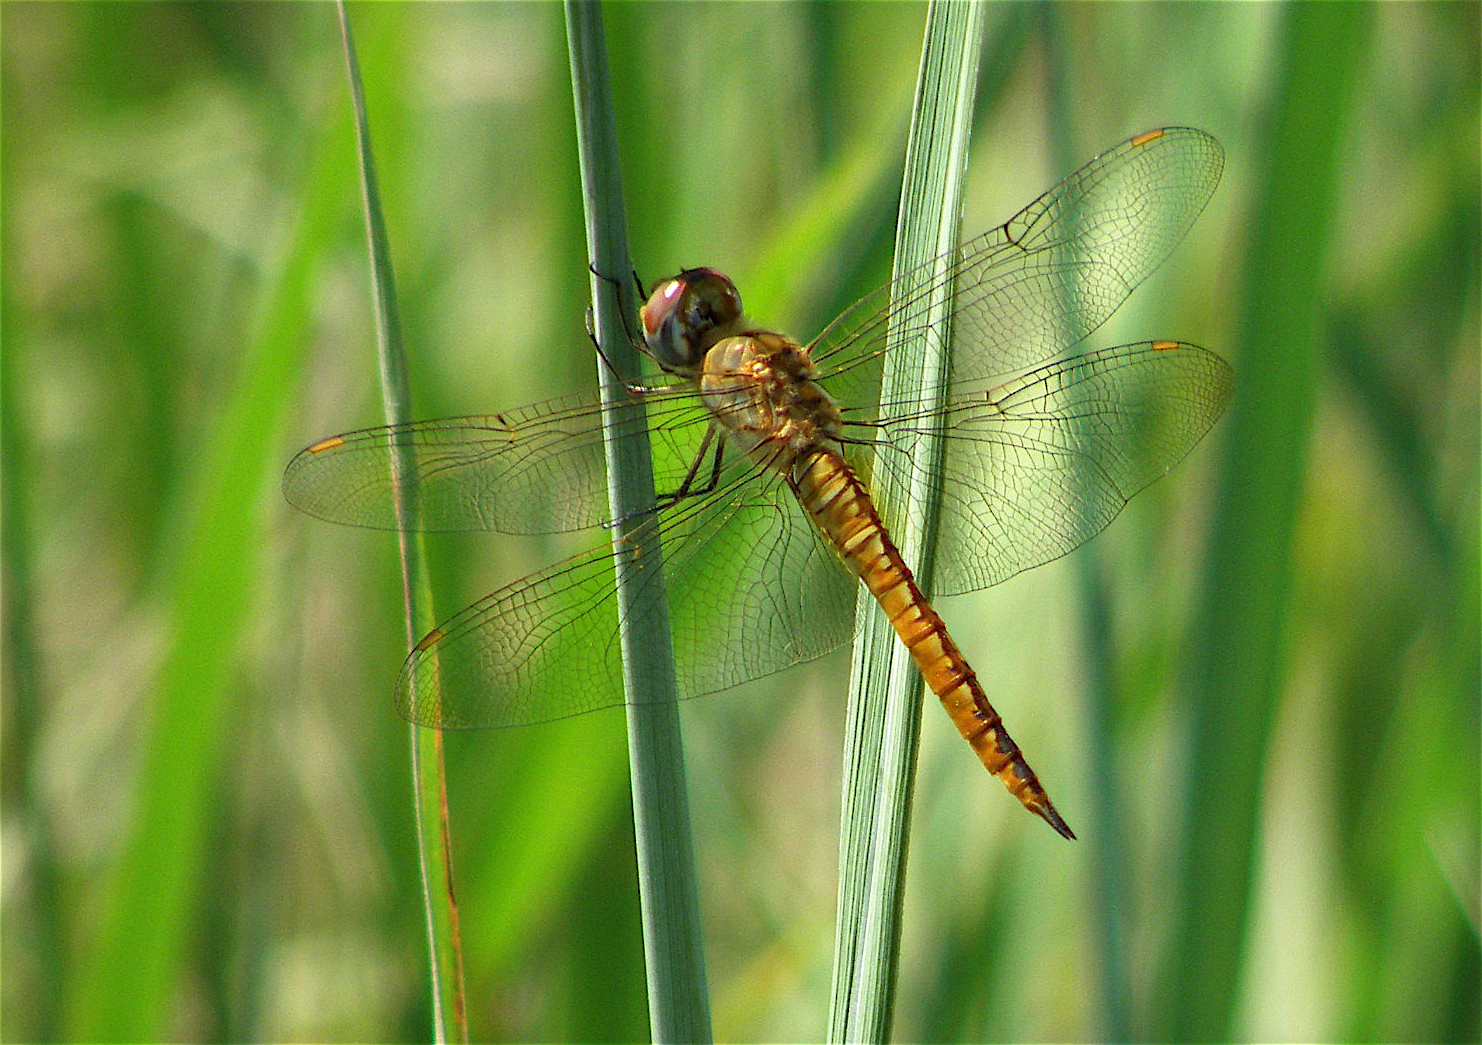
<point>1032,288</point>
<point>538,469</point>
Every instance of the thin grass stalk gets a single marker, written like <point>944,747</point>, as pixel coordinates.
<point>27,694</point>
<point>429,779</point>
<point>885,690</point>
<point>679,1008</point>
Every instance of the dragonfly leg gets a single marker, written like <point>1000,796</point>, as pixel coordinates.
<point>687,487</point>
<point>632,335</point>
<point>617,283</point>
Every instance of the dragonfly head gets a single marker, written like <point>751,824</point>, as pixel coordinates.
<point>688,313</point>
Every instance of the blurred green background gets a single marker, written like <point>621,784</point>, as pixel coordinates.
<point>1256,696</point>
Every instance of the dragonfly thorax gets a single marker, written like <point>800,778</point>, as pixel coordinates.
<point>760,388</point>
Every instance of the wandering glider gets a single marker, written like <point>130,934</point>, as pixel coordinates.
<point>761,447</point>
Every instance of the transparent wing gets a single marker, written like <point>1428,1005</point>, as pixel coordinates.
<point>752,590</point>
<point>1039,465</point>
<point>1035,286</point>
<point>1039,461</point>
<point>1034,467</point>
<point>538,469</point>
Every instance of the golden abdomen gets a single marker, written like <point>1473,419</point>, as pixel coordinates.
<point>844,512</point>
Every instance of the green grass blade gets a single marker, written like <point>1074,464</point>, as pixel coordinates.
<point>1240,628</point>
<point>885,691</point>
<point>426,748</point>
<point>128,973</point>
<point>1106,811</point>
<point>673,951</point>
<point>24,692</point>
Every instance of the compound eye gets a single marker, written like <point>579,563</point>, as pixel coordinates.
<point>685,315</point>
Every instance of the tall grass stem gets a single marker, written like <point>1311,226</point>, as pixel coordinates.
<point>1238,649</point>
<point>429,777</point>
<point>679,1008</point>
<point>885,690</point>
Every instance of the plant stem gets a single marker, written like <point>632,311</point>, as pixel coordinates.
<point>679,1008</point>
<point>885,692</point>
<point>429,776</point>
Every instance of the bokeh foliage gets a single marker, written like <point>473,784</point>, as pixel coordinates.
<point>205,789</point>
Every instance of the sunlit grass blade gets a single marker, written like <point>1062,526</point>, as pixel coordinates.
<point>428,769</point>
<point>1239,634</point>
<point>673,952</point>
<point>885,691</point>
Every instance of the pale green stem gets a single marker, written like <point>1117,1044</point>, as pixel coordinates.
<point>885,693</point>
<point>428,771</point>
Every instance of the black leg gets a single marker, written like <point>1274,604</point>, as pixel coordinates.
<point>633,340</point>
<point>687,487</point>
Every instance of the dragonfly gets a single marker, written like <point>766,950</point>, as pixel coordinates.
<point>763,449</point>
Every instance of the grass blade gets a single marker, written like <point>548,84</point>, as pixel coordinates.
<point>1238,639</point>
<point>126,976</point>
<point>885,690</point>
<point>428,768</point>
<point>673,952</point>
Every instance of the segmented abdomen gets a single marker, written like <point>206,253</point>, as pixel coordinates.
<point>838,502</point>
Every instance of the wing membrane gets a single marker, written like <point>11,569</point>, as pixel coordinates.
<point>1032,288</point>
<point>1041,464</point>
<point>539,469</point>
<point>546,647</point>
